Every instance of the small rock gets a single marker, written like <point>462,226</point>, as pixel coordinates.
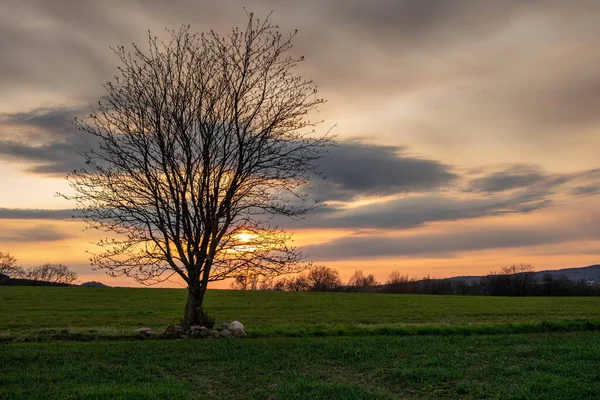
<point>215,334</point>
<point>225,333</point>
<point>143,331</point>
<point>205,333</point>
<point>170,328</point>
<point>238,333</point>
<point>196,327</point>
<point>235,325</point>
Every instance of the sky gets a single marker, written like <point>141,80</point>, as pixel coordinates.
<point>469,130</point>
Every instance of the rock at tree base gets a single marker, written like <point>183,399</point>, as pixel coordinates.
<point>198,331</point>
<point>239,333</point>
<point>144,332</point>
<point>235,325</point>
<point>237,329</point>
<point>224,333</point>
<point>205,333</point>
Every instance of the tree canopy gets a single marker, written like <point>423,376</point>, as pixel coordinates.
<point>202,140</point>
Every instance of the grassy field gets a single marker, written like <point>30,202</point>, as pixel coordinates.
<point>33,313</point>
<point>77,343</point>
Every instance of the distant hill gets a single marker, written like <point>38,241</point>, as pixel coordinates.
<point>94,284</point>
<point>6,281</point>
<point>591,272</point>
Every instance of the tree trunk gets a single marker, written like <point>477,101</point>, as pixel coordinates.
<point>194,313</point>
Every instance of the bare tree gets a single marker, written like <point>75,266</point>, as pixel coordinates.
<point>53,273</point>
<point>297,284</point>
<point>266,284</point>
<point>202,140</point>
<point>359,279</point>
<point>280,284</point>
<point>396,278</point>
<point>9,267</point>
<point>512,280</point>
<point>523,277</point>
<point>245,281</point>
<point>322,278</point>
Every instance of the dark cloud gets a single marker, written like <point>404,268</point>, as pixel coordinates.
<point>523,178</point>
<point>416,210</point>
<point>586,190</point>
<point>356,168</point>
<point>351,169</point>
<point>25,213</point>
<point>422,21</point>
<point>516,177</point>
<point>40,233</point>
<point>445,244</point>
<point>47,140</point>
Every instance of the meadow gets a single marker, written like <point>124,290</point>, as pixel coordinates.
<point>78,343</point>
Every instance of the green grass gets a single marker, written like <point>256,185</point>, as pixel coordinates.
<point>34,313</point>
<point>77,343</point>
<point>540,366</point>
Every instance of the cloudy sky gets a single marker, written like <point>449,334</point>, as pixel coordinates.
<point>469,130</point>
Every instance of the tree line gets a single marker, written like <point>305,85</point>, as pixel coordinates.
<point>513,280</point>
<point>47,273</point>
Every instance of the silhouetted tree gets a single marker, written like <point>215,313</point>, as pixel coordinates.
<point>266,284</point>
<point>513,280</point>
<point>322,278</point>
<point>202,140</point>
<point>362,281</point>
<point>297,284</point>
<point>280,284</point>
<point>245,282</point>
<point>53,273</point>
<point>395,278</point>
<point>9,267</point>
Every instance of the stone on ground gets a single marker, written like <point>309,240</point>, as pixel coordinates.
<point>224,333</point>
<point>235,325</point>
<point>239,333</point>
<point>143,331</point>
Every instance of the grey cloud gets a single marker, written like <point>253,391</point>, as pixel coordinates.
<point>48,142</point>
<point>586,190</point>
<point>24,213</point>
<point>38,233</point>
<point>430,20</point>
<point>356,168</point>
<point>440,244</point>
<point>516,177</point>
<point>523,178</point>
<point>42,55</point>
<point>366,51</point>
<point>352,168</point>
<point>416,210</point>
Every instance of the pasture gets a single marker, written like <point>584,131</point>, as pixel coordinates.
<point>78,343</point>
